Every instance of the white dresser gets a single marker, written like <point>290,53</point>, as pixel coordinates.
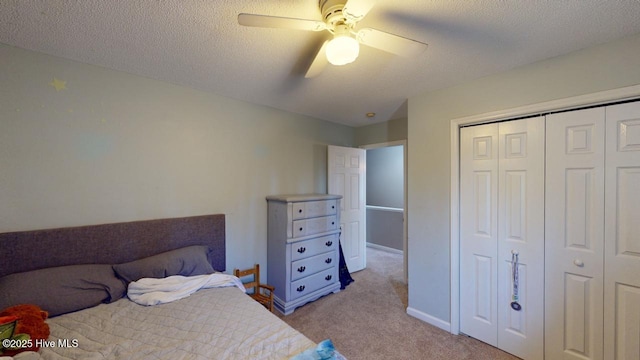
<point>302,250</point>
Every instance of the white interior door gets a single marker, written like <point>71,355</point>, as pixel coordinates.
<point>502,211</point>
<point>479,232</point>
<point>622,233</point>
<point>521,231</point>
<point>574,233</point>
<point>346,176</point>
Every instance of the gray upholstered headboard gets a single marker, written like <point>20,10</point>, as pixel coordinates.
<point>110,243</point>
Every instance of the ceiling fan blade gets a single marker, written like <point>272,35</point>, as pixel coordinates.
<point>280,22</point>
<point>319,62</point>
<point>355,10</point>
<point>390,43</point>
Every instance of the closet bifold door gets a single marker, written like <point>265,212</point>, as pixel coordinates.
<point>479,232</point>
<point>501,215</point>
<point>521,233</point>
<point>574,235</point>
<point>622,233</point>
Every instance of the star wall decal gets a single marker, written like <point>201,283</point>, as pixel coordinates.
<point>58,84</point>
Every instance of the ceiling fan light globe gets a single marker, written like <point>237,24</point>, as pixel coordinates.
<point>342,50</point>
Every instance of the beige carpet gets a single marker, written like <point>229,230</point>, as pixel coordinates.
<point>368,320</point>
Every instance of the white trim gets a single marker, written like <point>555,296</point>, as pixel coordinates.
<point>384,208</point>
<point>429,319</point>
<point>598,98</point>
<point>385,248</point>
<point>454,246</point>
<point>384,144</point>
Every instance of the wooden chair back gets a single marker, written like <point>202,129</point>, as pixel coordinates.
<point>254,272</point>
<point>262,293</point>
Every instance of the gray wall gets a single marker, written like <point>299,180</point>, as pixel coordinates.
<point>392,130</point>
<point>385,227</point>
<point>385,176</point>
<point>116,147</point>
<point>600,68</point>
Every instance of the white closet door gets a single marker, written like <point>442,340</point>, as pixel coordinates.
<point>574,233</point>
<point>622,233</point>
<point>479,232</point>
<point>521,230</point>
<point>502,210</point>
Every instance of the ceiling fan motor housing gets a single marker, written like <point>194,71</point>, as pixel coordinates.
<point>332,12</point>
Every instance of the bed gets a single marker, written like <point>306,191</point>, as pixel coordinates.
<point>82,274</point>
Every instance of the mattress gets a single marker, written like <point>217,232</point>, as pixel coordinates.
<point>218,323</point>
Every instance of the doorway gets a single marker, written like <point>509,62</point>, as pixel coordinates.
<point>386,198</point>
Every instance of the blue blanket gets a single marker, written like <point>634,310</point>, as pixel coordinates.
<point>324,351</point>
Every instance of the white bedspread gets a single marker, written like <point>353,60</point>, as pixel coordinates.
<point>149,291</point>
<point>220,323</point>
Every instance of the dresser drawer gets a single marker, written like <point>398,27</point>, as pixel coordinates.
<point>314,226</point>
<point>312,265</point>
<point>314,282</point>
<point>309,209</point>
<point>303,249</point>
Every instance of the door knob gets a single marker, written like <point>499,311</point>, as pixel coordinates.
<point>578,262</point>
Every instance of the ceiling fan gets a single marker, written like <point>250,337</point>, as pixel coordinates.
<point>340,18</point>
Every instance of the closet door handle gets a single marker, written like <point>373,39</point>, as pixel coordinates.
<point>329,243</point>
<point>578,263</point>
<point>302,268</point>
<point>300,288</point>
<point>302,249</point>
<point>329,260</point>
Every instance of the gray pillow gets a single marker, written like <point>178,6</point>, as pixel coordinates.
<point>63,289</point>
<point>187,261</point>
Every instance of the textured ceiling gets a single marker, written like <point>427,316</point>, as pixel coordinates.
<point>198,43</point>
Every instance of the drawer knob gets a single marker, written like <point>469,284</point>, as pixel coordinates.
<point>302,268</point>
<point>328,277</point>
<point>300,211</point>
<point>333,223</point>
<point>300,228</point>
<point>302,249</point>
<point>300,288</point>
<point>329,243</point>
<point>329,260</point>
<point>333,206</point>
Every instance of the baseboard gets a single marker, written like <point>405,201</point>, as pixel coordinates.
<point>432,320</point>
<point>384,248</point>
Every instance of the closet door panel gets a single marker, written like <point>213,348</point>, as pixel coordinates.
<point>478,231</point>
<point>622,232</point>
<point>521,231</point>
<point>574,234</point>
